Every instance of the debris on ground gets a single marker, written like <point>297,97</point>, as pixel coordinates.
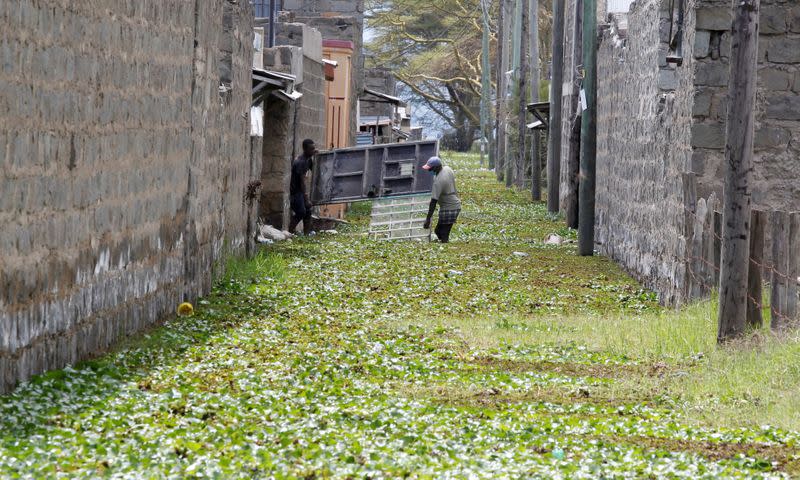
<point>325,224</point>
<point>520,254</point>
<point>270,234</point>
<point>554,239</point>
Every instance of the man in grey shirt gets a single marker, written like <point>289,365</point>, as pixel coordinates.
<point>445,194</point>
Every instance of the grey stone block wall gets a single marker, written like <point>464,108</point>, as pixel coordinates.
<point>644,128</point>
<point>311,114</point>
<point>286,125</point>
<point>777,136</point>
<point>336,20</point>
<point>379,80</point>
<point>657,121</point>
<point>122,169</point>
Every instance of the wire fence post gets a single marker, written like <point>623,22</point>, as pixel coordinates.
<point>755,293</point>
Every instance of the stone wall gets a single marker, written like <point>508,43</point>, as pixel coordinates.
<point>336,20</point>
<point>122,169</point>
<point>288,123</point>
<point>644,127</point>
<point>383,81</point>
<point>777,136</point>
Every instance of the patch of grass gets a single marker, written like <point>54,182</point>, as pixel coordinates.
<point>747,383</point>
<point>264,265</point>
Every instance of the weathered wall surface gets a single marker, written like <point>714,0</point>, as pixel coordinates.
<point>287,123</point>
<point>122,169</point>
<point>383,81</point>
<point>337,20</point>
<point>777,137</point>
<point>644,119</point>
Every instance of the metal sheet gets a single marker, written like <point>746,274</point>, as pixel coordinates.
<point>373,171</point>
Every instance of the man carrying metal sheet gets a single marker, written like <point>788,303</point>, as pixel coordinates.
<point>300,203</point>
<point>445,194</point>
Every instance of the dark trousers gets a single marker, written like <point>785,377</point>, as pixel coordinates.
<point>443,231</point>
<point>300,213</point>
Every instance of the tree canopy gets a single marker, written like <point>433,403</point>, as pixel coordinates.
<point>434,48</point>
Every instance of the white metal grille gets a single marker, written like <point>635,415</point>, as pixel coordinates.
<point>400,218</point>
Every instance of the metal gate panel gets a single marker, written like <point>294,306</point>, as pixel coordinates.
<point>374,171</point>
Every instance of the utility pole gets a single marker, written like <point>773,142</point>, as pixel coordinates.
<point>486,86</point>
<point>536,166</point>
<point>502,54</point>
<point>512,156</point>
<point>554,140</point>
<point>588,132</point>
<point>574,148</point>
<point>522,124</point>
<point>737,208</point>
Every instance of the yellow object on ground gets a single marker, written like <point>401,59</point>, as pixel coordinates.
<point>185,309</point>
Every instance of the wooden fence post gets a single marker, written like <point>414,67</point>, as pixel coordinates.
<point>780,269</point>
<point>735,256</point>
<point>794,269</point>
<point>689,209</point>
<point>754,281</point>
<point>697,265</point>
<point>712,244</point>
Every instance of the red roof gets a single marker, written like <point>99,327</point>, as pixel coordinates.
<point>338,44</point>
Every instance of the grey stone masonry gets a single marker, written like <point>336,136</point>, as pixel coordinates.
<point>777,157</point>
<point>336,20</point>
<point>286,125</point>
<point>659,122</point>
<point>643,132</point>
<point>122,168</point>
<point>379,80</point>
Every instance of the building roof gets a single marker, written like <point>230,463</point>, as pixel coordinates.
<point>381,97</point>
<point>367,120</point>
<point>268,82</point>
<point>338,44</point>
<point>540,110</point>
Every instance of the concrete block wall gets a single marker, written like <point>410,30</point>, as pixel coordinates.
<point>276,162</point>
<point>777,136</point>
<point>642,149</point>
<point>121,169</point>
<point>379,80</point>
<point>310,119</point>
<point>287,124</point>
<point>310,122</point>
<point>336,20</point>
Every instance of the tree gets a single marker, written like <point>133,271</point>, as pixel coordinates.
<point>435,49</point>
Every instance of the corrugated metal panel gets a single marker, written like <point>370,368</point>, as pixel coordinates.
<point>363,139</point>
<point>373,171</point>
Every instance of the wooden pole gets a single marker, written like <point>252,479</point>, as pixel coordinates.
<point>486,85</point>
<point>536,165</point>
<point>588,132</point>
<point>554,137</point>
<point>522,123</point>
<point>503,54</point>
<point>755,293</point>
<point>794,270</point>
<point>574,148</point>
<point>735,256</point>
<point>516,43</point>
<point>780,269</point>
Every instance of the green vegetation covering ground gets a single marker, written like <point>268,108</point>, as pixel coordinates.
<point>338,356</point>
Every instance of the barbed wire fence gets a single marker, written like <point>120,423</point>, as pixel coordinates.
<point>774,263</point>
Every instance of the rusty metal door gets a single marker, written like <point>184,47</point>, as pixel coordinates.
<point>375,171</point>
